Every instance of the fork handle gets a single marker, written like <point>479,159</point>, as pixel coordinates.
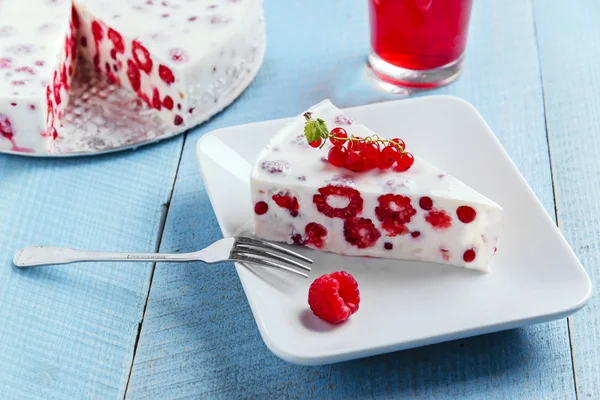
<point>43,255</point>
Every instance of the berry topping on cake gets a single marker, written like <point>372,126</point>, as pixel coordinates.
<point>334,297</point>
<point>338,201</point>
<point>363,153</point>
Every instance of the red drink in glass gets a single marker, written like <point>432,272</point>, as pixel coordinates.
<point>418,43</point>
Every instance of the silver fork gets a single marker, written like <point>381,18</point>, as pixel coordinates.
<point>241,249</point>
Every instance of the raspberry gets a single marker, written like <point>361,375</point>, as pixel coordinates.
<point>166,74</point>
<point>117,40</point>
<point>141,55</point>
<point>284,200</point>
<point>276,167</point>
<point>297,239</point>
<point>75,17</point>
<point>355,201</point>
<point>466,214</point>
<point>361,232</point>
<point>343,120</point>
<point>315,234</point>
<point>334,297</point>
<point>6,129</point>
<point>394,212</point>
<point>57,97</point>
<point>168,103</point>
<point>97,31</point>
<point>388,246</point>
<point>156,99</point>
<point>439,219</point>
<point>133,73</point>
<point>5,63</point>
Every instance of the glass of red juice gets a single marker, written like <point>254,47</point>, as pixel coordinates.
<point>418,43</point>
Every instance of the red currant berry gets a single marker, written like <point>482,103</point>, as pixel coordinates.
<point>261,208</point>
<point>338,133</point>
<point>469,255</point>
<point>337,156</point>
<point>371,153</point>
<point>316,143</point>
<point>355,144</point>
<point>355,161</point>
<point>405,162</point>
<point>389,155</point>
<point>426,203</point>
<point>400,142</point>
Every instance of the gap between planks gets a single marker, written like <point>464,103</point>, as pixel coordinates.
<point>161,229</point>
<point>552,175</point>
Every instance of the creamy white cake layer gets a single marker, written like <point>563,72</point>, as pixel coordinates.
<point>421,214</point>
<point>180,56</point>
<point>37,48</point>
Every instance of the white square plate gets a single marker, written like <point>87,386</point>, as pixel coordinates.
<point>535,275</point>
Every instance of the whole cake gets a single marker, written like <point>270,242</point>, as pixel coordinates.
<point>181,57</point>
<point>368,197</point>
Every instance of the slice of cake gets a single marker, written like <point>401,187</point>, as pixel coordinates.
<point>377,201</point>
<point>37,61</point>
<point>179,56</point>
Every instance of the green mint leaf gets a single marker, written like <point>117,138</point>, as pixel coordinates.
<point>323,131</point>
<point>315,129</point>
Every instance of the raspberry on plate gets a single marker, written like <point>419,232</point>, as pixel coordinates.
<point>334,297</point>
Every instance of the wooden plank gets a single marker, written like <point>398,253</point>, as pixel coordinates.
<point>199,339</point>
<point>69,332</point>
<point>568,34</point>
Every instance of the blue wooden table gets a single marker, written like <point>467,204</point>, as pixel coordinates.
<point>165,331</point>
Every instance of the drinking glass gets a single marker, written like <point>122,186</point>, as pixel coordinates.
<point>418,43</point>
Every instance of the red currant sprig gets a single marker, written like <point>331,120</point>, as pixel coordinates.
<point>356,153</point>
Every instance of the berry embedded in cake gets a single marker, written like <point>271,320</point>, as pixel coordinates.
<point>178,56</point>
<point>335,185</point>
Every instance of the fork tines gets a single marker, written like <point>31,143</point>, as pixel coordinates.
<point>256,251</point>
